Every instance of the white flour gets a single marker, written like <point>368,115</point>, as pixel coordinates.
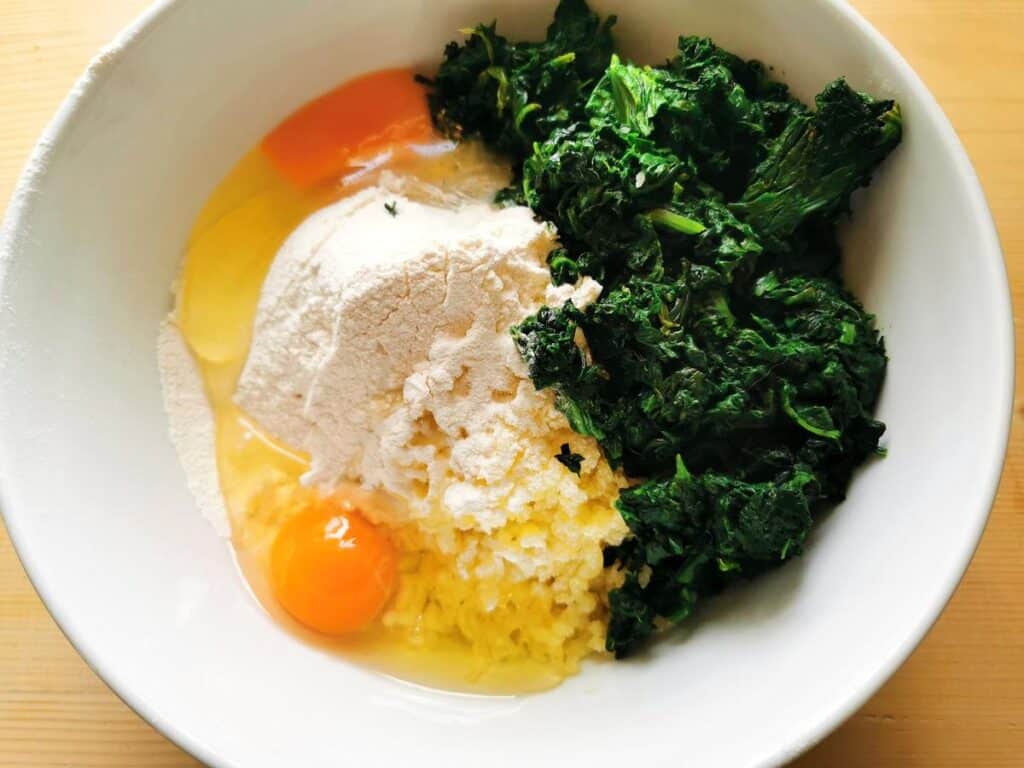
<point>191,425</point>
<point>381,347</point>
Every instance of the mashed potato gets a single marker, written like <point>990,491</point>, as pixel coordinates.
<point>532,586</point>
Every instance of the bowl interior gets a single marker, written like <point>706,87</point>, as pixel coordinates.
<point>97,503</point>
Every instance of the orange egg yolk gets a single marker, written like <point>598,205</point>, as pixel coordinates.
<point>360,117</point>
<point>331,569</point>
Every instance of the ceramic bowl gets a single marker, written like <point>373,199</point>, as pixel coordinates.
<point>96,502</point>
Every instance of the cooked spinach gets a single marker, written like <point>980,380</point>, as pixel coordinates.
<point>726,367</point>
<point>512,94</point>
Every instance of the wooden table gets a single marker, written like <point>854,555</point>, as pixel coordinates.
<point>959,700</point>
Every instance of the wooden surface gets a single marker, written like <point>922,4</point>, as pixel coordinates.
<point>959,700</point>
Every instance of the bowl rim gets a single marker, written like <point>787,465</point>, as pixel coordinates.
<point>93,80</point>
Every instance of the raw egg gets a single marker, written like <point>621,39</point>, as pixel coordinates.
<point>331,569</point>
<point>364,115</point>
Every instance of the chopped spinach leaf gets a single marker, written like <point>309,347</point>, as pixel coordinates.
<point>572,461</point>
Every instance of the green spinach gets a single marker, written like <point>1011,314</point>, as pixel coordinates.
<point>727,369</point>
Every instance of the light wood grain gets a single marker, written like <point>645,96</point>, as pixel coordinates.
<point>959,700</point>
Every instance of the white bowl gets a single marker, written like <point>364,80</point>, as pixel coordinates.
<point>96,502</point>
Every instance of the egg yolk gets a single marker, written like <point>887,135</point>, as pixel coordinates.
<point>331,569</point>
<point>360,117</point>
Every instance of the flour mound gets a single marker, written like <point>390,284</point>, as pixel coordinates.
<point>191,425</point>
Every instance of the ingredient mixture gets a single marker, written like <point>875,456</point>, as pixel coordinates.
<point>381,349</point>
<point>512,365</point>
<point>375,426</point>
